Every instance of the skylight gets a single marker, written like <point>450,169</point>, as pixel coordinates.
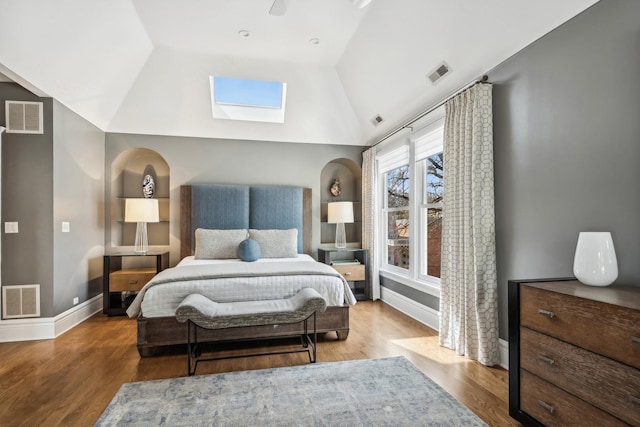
<point>251,100</point>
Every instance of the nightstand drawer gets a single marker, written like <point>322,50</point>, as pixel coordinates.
<point>351,272</point>
<point>130,279</point>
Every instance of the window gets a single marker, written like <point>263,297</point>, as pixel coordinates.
<point>412,187</point>
<point>431,212</point>
<point>251,100</point>
<point>397,212</point>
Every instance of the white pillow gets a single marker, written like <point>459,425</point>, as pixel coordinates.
<point>218,244</point>
<point>276,243</point>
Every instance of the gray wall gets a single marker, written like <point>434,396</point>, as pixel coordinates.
<point>78,188</point>
<point>202,160</point>
<point>49,178</point>
<point>567,146</point>
<point>567,149</point>
<point>27,197</point>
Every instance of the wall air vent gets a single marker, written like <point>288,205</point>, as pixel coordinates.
<point>20,301</point>
<point>440,71</point>
<point>24,117</point>
<point>377,119</point>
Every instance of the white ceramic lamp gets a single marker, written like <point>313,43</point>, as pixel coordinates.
<point>340,213</point>
<point>595,262</point>
<point>141,211</point>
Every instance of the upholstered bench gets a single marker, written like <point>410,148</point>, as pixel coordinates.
<point>200,312</point>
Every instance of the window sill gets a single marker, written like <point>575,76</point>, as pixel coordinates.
<point>420,285</point>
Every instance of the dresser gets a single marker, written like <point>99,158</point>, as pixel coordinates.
<point>574,354</point>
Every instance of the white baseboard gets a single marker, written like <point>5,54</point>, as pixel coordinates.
<point>411,308</point>
<point>504,353</point>
<point>48,327</point>
<point>429,317</point>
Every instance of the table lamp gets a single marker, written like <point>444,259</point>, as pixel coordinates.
<point>141,211</point>
<point>339,213</point>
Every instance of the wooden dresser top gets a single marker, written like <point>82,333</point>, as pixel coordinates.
<point>624,296</point>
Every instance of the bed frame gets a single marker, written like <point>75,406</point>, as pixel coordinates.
<point>217,206</point>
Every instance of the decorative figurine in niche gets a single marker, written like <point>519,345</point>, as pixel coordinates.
<point>335,188</point>
<point>148,187</point>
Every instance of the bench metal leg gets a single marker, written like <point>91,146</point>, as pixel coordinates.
<point>191,348</point>
<point>193,351</point>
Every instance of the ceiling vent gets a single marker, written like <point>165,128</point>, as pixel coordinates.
<point>440,71</point>
<point>24,117</point>
<point>377,120</point>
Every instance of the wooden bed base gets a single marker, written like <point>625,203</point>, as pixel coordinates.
<point>154,334</point>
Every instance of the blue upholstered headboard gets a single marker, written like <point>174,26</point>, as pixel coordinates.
<point>263,207</point>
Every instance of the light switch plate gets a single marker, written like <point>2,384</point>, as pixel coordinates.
<point>10,227</point>
<point>66,227</point>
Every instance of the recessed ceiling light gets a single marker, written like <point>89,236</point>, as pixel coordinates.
<point>243,33</point>
<point>314,41</point>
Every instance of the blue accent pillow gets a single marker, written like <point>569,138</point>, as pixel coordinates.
<point>249,250</point>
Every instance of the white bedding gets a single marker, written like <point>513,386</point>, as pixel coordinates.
<point>161,300</point>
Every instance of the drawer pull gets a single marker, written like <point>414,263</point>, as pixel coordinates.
<point>549,314</point>
<point>635,340</point>
<point>348,273</point>
<point>634,399</point>
<point>133,282</point>
<point>546,406</point>
<point>546,359</point>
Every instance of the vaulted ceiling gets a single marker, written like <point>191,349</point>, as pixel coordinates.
<point>143,66</point>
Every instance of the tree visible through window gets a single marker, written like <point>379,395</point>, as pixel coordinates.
<point>398,190</point>
<point>433,206</point>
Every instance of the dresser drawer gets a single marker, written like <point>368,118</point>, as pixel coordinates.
<point>607,329</point>
<point>351,272</point>
<point>555,407</point>
<point>605,383</point>
<point>130,279</point>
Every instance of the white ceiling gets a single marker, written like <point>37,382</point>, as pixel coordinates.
<point>142,66</point>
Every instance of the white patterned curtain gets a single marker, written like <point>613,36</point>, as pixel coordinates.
<point>468,296</point>
<point>369,217</point>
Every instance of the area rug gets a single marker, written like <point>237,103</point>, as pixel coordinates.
<point>375,392</point>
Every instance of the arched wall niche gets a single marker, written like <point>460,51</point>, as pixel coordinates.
<point>127,172</point>
<point>349,174</point>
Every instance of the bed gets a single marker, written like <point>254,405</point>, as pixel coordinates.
<point>279,217</point>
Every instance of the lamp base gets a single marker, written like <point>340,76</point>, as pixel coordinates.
<point>341,237</point>
<point>142,243</point>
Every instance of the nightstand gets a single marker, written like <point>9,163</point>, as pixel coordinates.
<point>120,285</point>
<point>353,265</point>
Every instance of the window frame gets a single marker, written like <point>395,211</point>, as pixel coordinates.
<point>246,110</point>
<point>424,140</point>
<point>386,210</point>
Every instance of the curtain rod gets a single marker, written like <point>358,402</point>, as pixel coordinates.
<point>406,124</point>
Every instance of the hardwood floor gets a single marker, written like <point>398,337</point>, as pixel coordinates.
<point>70,380</point>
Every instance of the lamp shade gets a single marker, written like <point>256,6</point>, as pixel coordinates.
<point>141,210</point>
<point>340,212</point>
